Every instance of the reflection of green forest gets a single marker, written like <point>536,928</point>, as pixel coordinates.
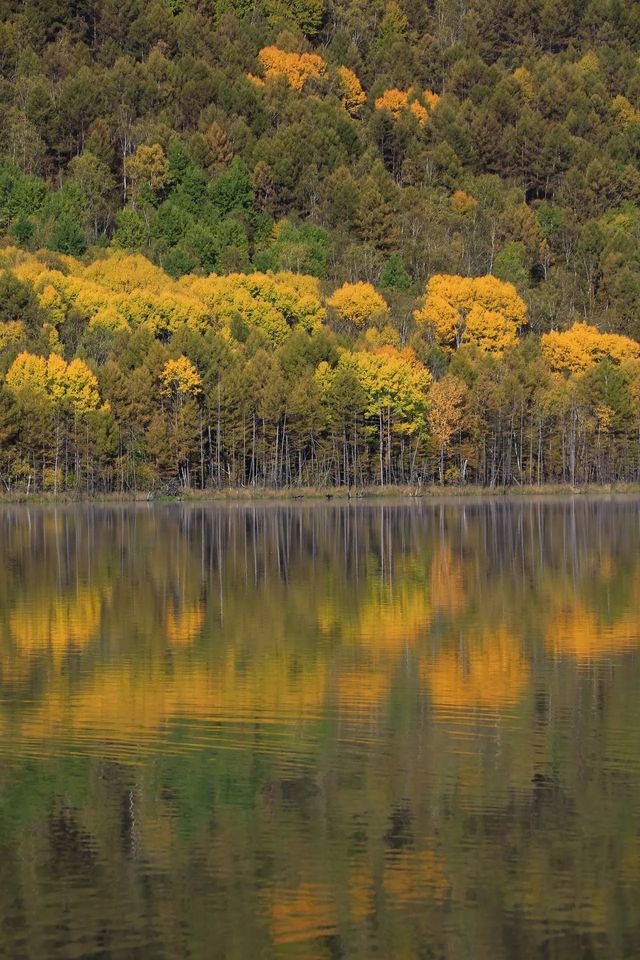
<point>320,732</point>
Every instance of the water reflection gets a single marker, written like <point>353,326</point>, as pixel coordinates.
<point>319,731</point>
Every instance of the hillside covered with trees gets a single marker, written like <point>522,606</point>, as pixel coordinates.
<point>291,242</point>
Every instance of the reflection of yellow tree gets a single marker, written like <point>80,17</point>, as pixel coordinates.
<point>386,618</point>
<point>577,632</point>
<point>277,684</point>
<point>489,672</point>
<point>361,894</point>
<point>390,617</point>
<point>363,690</point>
<point>56,622</point>
<point>183,626</point>
<point>415,875</point>
<point>394,617</point>
<point>123,702</point>
<point>304,913</point>
<point>447,581</point>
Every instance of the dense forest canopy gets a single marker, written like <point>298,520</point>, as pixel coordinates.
<point>318,241</point>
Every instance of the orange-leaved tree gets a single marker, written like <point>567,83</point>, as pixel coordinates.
<point>296,68</point>
<point>420,104</point>
<point>447,398</point>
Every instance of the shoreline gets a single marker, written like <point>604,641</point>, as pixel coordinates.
<point>297,494</point>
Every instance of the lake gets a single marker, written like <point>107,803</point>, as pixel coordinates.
<point>358,730</point>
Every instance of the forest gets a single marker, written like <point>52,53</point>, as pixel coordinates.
<point>291,243</point>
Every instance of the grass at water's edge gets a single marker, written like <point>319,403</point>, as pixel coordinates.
<point>325,493</point>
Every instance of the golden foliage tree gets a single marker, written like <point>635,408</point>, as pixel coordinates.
<point>447,398</point>
<point>358,304</point>
<point>180,377</point>
<point>148,166</point>
<point>350,90</point>
<point>419,104</point>
<point>580,347</point>
<point>296,68</point>
<point>481,310</point>
<point>31,377</point>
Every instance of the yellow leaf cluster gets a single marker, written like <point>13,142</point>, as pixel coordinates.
<point>524,80</point>
<point>462,202</point>
<point>11,257</point>
<point>625,111</point>
<point>358,304</point>
<point>123,273</point>
<point>271,303</point>
<point>32,377</point>
<point>296,68</point>
<point>350,90</point>
<point>108,318</point>
<point>580,347</point>
<point>122,292</point>
<point>588,64</point>
<point>181,377</point>
<point>484,311</point>
<point>11,332</point>
<point>391,379</point>
<point>490,673</point>
<point>420,104</point>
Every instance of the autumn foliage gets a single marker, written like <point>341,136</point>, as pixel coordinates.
<point>481,310</point>
<point>580,347</point>
<point>420,104</point>
<point>296,68</point>
<point>350,90</point>
<point>54,381</point>
<point>358,304</point>
<point>272,377</point>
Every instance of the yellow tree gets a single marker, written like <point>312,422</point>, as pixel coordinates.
<point>180,378</point>
<point>53,379</point>
<point>27,377</point>
<point>525,82</point>
<point>583,345</point>
<point>419,104</point>
<point>180,384</point>
<point>481,310</point>
<point>624,111</point>
<point>395,384</point>
<point>447,399</point>
<point>350,91</point>
<point>54,397</point>
<point>296,68</point>
<point>81,387</point>
<point>358,304</point>
<point>147,167</point>
<point>463,202</point>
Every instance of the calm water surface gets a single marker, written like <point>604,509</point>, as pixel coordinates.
<point>359,731</point>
